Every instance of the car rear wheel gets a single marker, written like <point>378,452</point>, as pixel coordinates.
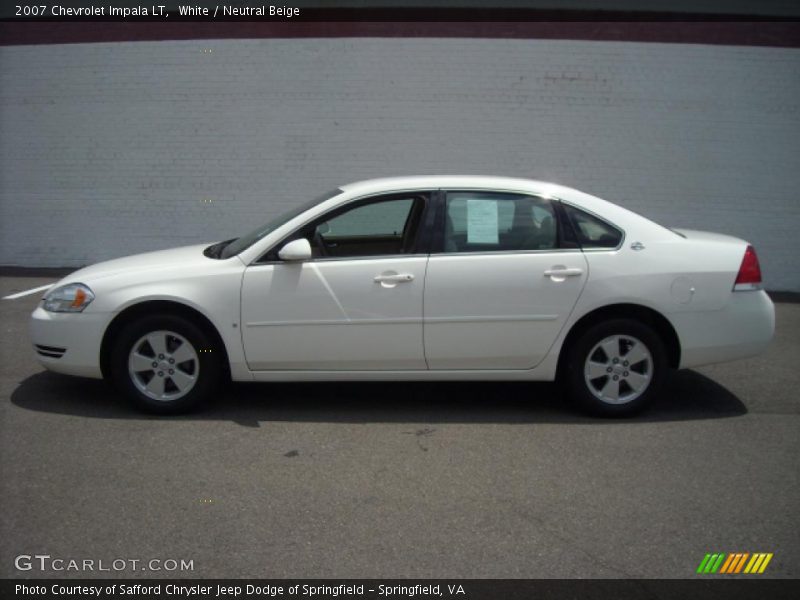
<point>165,364</point>
<point>616,368</point>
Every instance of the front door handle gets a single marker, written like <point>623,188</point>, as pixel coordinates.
<point>394,278</point>
<point>560,273</point>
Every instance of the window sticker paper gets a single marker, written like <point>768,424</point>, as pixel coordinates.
<point>482,222</point>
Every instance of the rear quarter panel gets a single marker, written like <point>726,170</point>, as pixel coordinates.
<point>690,282</point>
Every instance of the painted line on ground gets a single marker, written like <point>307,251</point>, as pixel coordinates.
<point>28,292</point>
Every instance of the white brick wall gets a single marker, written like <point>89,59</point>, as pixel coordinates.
<point>110,149</point>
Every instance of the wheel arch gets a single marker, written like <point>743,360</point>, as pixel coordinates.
<point>636,312</point>
<point>157,307</point>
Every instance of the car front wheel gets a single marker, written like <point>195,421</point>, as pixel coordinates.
<point>616,368</point>
<point>165,364</point>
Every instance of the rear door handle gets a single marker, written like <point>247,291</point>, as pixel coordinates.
<point>570,272</point>
<point>398,278</point>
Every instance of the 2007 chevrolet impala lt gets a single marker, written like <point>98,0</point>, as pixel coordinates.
<point>417,278</point>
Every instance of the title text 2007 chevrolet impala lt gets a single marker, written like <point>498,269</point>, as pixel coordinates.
<point>417,278</point>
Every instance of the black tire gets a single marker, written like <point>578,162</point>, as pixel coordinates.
<point>637,384</point>
<point>199,375</point>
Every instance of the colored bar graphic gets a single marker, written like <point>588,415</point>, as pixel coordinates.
<point>718,562</point>
<point>732,564</point>
<point>765,563</point>
<point>740,564</point>
<point>754,562</point>
<point>735,562</point>
<point>727,564</point>
<point>703,563</point>
<point>711,562</point>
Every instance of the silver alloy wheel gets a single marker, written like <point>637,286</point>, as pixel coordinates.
<point>618,369</point>
<point>163,365</point>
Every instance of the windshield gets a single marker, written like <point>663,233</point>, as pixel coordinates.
<point>244,242</point>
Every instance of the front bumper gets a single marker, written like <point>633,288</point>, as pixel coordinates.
<point>69,342</point>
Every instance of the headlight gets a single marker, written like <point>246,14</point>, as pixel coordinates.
<point>73,297</point>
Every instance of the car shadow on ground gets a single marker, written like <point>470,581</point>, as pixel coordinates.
<point>689,395</point>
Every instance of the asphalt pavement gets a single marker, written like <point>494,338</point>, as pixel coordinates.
<point>440,480</point>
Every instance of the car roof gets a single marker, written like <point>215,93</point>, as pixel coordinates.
<point>618,215</point>
<point>387,184</point>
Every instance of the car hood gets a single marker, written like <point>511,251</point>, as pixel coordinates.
<point>184,257</point>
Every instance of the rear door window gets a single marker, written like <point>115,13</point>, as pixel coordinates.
<point>592,232</point>
<point>498,222</point>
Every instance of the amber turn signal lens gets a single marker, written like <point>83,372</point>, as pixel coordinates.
<point>80,298</point>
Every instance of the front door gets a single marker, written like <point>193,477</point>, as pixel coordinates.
<point>356,305</point>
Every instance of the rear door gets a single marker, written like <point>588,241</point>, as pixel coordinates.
<point>502,284</point>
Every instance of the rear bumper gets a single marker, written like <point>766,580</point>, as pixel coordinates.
<point>743,328</point>
<point>68,343</point>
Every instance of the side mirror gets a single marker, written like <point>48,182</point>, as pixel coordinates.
<point>296,250</point>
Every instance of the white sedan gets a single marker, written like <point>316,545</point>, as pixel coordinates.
<point>417,278</point>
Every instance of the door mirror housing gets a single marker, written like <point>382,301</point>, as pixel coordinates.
<point>295,251</point>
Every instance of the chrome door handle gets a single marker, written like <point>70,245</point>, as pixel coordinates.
<point>572,272</point>
<point>399,278</point>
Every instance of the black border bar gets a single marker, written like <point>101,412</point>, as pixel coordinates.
<point>699,588</point>
<point>719,32</point>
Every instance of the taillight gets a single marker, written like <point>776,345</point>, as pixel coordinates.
<point>749,277</point>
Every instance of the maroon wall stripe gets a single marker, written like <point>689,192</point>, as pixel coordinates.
<point>750,33</point>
